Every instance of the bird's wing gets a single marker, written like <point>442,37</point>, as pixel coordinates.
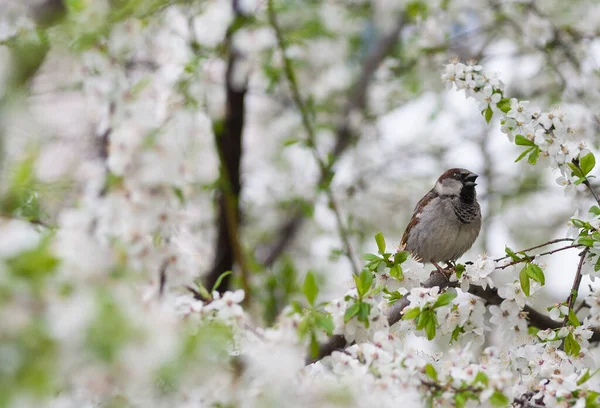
<point>417,214</point>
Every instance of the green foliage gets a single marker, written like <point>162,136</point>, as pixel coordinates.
<point>35,265</point>
<point>310,288</point>
<point>281,286</point>
<point>498,399</point>
<point>426,317</point>
<point>571,345</point>
<point>110,330</point>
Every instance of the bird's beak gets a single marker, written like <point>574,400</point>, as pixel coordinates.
<point>469,180</point>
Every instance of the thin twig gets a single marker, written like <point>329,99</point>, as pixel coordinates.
<point>554,241</point>
<point>575,289</point>
<point>311,142</point>
<point>530,258</point>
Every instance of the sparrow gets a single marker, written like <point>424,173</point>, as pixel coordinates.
<point>446,221</point>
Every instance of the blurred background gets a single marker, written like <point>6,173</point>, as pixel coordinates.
<point>108,95</point>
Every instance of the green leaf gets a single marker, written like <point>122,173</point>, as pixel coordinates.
<point>371,257</point>
<point>488,114</point>
<point>203,291</point>
<point>586,376</point>
<point>458,330</point>
<point>351,312</point>
<point>380,242</point>
<point>363,282</point>
<point>587,163</point>
<point>444,299</point>
<point>34,265</point>
<point>512,254</point>
<point>523,154</point>
<point>363,313</point>
<point>220,280</point>
<point>521,140</point>
<point>411,313</point>
<point>597,265</point>
<point>536,273</point>
<point>504,105</point>
<point>572,348</point>
<point>431,373</point>
<point>576,171</point>
<point>587,241</point>
<point>498,399</point>
<point>594,209</point>
<point>324,322</point>
<point>430,328</point>
<point>314,345</point>
<point>573,318</point>
<point>459,269</point>
<point>401,256</point>
<point>533,157</point>
<point>179,194</point>
<point>310,288</point>
<point>396,272</point>
<point>482,378</point>
<point>524,279</point>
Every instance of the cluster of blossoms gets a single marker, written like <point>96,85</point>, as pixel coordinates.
<point>546,136</point>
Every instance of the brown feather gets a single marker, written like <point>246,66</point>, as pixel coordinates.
<point>417,213</point>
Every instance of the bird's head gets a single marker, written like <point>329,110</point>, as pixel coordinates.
<point>456,182</point>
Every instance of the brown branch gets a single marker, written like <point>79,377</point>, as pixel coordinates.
<point>344,136</point>
<point>489,295</point>
<point>575,288</point>
<point>554,241</point>
<point>228,138</point>
<point>530,258</point>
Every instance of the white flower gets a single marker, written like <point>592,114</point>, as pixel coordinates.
<point>513,291</point>
<point>558,311</point>
<point>419,297</point>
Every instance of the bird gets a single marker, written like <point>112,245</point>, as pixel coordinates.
<point>446,221</point>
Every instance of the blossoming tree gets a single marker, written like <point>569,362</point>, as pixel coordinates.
<point>192,194</point>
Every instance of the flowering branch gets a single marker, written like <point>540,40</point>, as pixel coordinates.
<point>326,171</point>
<point>575,288</point>
<point>554,241</point>
<point>356,100</point>
<point>530,258</point>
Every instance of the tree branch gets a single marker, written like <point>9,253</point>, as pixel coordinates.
<point>311,139</point>
<point>530,258</point>
<point>228,138</point>
<point>489,295</point>
<point>344,135</point>
<point>575,288</point>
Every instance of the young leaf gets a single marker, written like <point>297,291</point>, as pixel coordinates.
<point>524,279</point>
<point>536,273</point>
<point>498,399</point>
<point>324,322</point>
<point>431,373</point>
<point>380,242</point>
<point>459,269</point>
<point>444,299</point>
<point>488,114</point>
<point>401,256</point>
<point>521,140</point>
<point>504,105</point>
<point>458,330</point>
<point>532,159</point>
<point>594,210</point>
<point>430,328</point>
<point>523,154</point>
<point>587,163</point>
<point>351,312</point>
<point>220,280</point>
<point>572,348</point>
<point>371,257</point>
<point>512,254</point>
<point>363,313</point>
<point>482,378</point>
<point>310,288</point>
<point>573,318</point>
<point>576,171</point>
<point>396,272</point>
<point>411,314</point>
<point>314,345</point>
<point>363,282</point>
